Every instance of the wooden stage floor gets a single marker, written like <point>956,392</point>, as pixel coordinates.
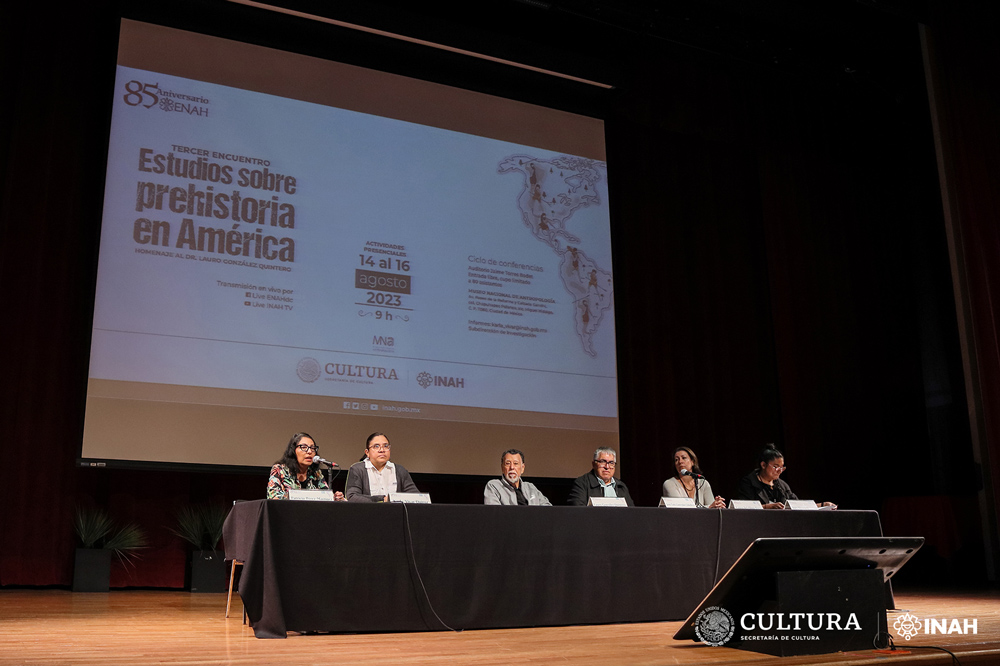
<point>166,627</point>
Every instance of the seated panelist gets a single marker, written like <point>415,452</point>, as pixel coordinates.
<point>510,489</point>
<point>689,485</point>
<point>298,469</point>
<point>764,485</point>
<point>600,481</point>
<point>372,479</point>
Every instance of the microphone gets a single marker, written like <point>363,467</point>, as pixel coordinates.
<point>686,472</point>
<point>332,465</point>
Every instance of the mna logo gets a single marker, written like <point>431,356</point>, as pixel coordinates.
<point>385,344</point>
<point>426,379</point>
<point>909,626</point>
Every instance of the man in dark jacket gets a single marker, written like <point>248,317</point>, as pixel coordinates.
<point>601,481</point>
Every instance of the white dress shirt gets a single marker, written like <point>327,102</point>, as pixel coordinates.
<point>384,482</point>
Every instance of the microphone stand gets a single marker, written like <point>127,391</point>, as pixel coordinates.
<point>327,471</point>
<point>695,478</point>
<point>329,477</point>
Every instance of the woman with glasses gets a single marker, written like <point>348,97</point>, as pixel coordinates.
<point>298,469</point>
<point>688,481</point>
<point>372,479</point>
<point>763,483</point>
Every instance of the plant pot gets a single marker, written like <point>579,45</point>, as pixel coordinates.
<point>208,571</point>
<point>91,570</point>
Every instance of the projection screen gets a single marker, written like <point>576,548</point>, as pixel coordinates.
<point>292,244</point>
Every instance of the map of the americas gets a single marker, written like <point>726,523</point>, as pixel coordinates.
<point>553,191</point>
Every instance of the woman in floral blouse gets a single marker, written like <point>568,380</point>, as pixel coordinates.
<point>299,456</point>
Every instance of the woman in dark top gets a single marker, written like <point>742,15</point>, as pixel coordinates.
<point>764,485</point>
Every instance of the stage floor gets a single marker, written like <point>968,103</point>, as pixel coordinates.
<point>166,627</point>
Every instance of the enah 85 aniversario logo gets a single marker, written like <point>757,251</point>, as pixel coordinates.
<point>149,95</point>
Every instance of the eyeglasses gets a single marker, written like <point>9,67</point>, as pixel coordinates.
<point>307,449</point>
<point>778,468</point>
<point>379,447</point>
<point>606,463</point>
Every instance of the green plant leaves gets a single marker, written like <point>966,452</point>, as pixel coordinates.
<point>201,525</point>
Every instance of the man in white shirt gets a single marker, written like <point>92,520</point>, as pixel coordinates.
<point>372,479</point>
<point>510,489</point>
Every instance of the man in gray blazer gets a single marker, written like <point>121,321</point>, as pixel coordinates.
<point>510,489</point>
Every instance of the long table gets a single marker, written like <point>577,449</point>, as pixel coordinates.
<point>334,566</point>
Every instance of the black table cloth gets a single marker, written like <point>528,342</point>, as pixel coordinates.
<point>334,566</point>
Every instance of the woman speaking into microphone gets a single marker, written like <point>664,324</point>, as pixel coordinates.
<point>688,481</point>
<point>298,469</point>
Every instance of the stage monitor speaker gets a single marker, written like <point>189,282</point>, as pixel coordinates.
<point>802,595</point>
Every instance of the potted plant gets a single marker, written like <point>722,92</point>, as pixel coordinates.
<point>201,526</point>
<point>101,537</point>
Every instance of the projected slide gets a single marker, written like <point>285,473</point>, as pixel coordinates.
<point>264,252</point>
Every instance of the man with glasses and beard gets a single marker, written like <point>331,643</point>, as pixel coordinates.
<point>510,489</point>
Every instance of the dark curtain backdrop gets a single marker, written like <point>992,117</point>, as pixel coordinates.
<point>965,58</point>
<point>781,267</point>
